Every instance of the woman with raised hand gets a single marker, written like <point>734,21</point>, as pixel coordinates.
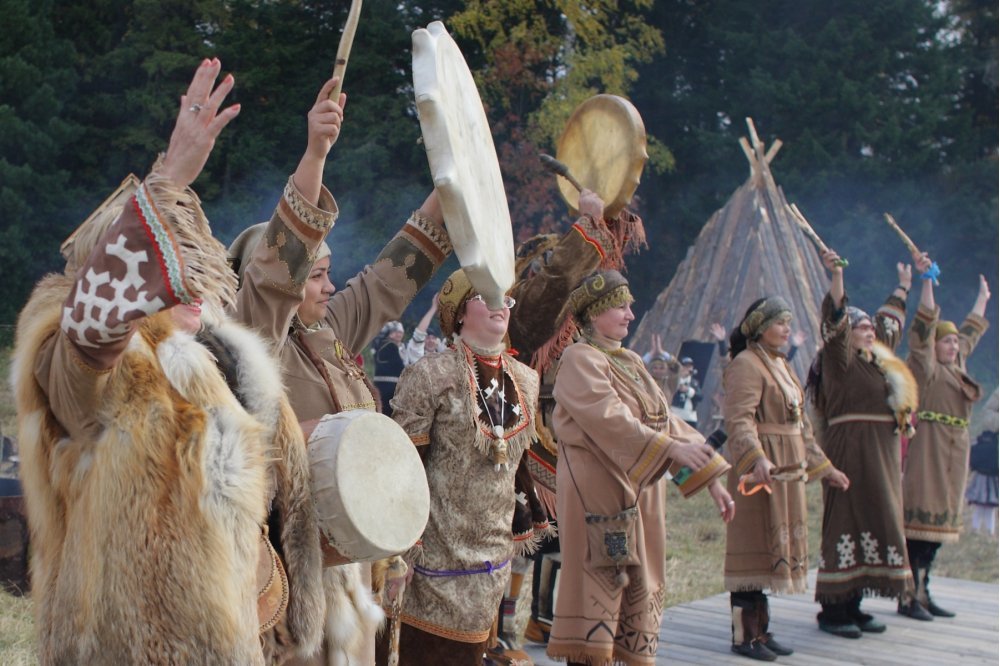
<point>155,434</point>
<point>774,454</point>
<point>317,330</point>
<point>936,465</point>
<point>864,396</point>
<point>470,410</point>
<point>617,440</point>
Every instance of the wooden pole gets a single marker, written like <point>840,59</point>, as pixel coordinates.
<point>344,50</point>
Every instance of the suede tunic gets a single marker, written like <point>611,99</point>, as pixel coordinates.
<point>767,542</point>
<point>937,461</point>
<point>863,549</point>
<point>317,363</point>
<point>615,435</point>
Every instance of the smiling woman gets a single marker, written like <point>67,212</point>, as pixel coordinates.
<point>470,411</point>
<point>865,396</point>
<point>617,440</point>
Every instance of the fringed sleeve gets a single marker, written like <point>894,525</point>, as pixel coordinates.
<point>540,297</point>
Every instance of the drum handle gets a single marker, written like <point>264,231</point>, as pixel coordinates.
<point>559,169</point>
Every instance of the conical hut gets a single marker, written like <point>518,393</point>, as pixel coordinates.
<point>751,247</point>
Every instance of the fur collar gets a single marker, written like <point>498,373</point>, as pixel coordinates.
<point>903,393</point>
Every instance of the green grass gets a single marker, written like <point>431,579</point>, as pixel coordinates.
<point>7,414</point>
<point>17,631</point>
<point>696,548</point>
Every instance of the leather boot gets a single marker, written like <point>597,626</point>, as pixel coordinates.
<point>747,632</point>
<point>909,602</point>
<point>774,646</point>
<point>927,602</point>
<point>866,623</point>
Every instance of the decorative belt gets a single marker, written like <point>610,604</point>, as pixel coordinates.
<point>874,418</point>
<point>779,429</point>
<point>947,419</point>
<point>487,568</point>
<point>380,378</point>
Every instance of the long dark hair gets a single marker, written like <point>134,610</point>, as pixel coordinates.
<point>738,341</point>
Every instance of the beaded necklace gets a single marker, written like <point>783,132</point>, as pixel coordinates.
<point>499,449</point>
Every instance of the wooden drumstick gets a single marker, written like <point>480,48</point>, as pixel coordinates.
<point>344,50</point>
<point>811,234</point>
<point>910,245</point>
<point>934,271</point>
<point>559,169</point>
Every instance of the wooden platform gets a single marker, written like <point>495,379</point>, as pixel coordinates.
<point>699,632</point>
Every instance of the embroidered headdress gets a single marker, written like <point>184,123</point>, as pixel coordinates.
<point>455,291</point>
<point>768,311</point>
<point>857,315</point>
<point>597,293</point>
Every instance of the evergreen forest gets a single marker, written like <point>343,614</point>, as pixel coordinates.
<point>881,106</point>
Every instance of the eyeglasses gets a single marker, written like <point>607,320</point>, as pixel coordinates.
<point>508,301</point>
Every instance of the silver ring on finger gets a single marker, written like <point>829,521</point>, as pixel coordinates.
<point>195,108</point>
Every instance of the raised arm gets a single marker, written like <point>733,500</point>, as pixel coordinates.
<point>921,358</point>
<point>541,293</point>
<point>975,324</point>
<point>275,275</point>
<point>324,121</point>
<point>158,254</point>
<point>834,325</point>
<point>414,349</point>
<point>891,315</point>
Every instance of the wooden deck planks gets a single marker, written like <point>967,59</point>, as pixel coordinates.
<point>698,632</point>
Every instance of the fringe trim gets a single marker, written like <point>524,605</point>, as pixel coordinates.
<point>547,498</point>
<point>628,235</point>
<point>544,435</point>
<point>547,355</point>
<point>207,269</point>
<point>415,555</point>
<point>527,544</point>
<point>761,583</point>
<point>593,656</point>
<point>869,591</point>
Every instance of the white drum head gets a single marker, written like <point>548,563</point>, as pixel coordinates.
<point>463,162</point>
<point>369,485</point>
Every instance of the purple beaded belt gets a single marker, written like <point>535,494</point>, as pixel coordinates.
<point>487,568</point>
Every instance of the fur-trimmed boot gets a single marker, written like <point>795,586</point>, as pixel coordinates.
<point>764,612</point>
<point>747,633</point>
<point>926,600</point>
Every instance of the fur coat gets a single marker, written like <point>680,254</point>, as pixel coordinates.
<point>148,480</point>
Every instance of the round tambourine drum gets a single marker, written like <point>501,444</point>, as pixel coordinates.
<point>369,487</point>
<point>463,162</point>
<point>604,146</point>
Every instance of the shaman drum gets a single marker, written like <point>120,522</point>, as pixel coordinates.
<point>463,163</point>
<point>604,146</point>
<point>369,487</point>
